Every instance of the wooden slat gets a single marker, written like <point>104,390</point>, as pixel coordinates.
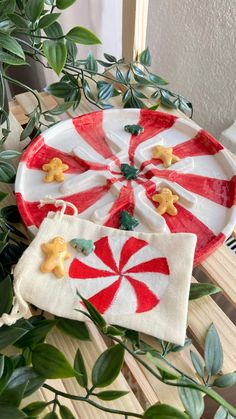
<point>220,268</point>
<point>134,26</point>
<point>201,314</point>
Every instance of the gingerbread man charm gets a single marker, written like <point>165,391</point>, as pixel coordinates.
<point>55,253</point>
<point>54,169</point>
<point>166,201</point>
<point>165,154</point>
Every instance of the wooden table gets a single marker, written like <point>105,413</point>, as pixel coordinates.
<point>219,268</point>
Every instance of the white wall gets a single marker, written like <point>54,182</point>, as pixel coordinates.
<point>104,18</point>
<point>193,44</point>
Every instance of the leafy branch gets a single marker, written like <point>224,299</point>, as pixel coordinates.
<point>30,28</point>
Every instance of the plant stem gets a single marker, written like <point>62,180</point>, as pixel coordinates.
<point>91,402</point>
<point>18,83</point>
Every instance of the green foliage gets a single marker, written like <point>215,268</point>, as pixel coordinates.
<point>213,351</point>
<point>201,290</point>
<point>79,367</point>
<point>49,362</point>
<point>82,36</point>
<point>108,366</point>
<point>192,401</point>
<point>55,52</point>
<point>73,328</point>
<point>110,395</point>
<point>163,411</point>
<point>66,413</point>
<point>35,408</point>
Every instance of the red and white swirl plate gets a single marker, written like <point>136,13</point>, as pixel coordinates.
<point>95,145</point>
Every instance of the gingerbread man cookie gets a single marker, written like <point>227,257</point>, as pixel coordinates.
<point>55,253</point>
<point>165,154</point>
<point>54,169</point>
<point>166,201</point>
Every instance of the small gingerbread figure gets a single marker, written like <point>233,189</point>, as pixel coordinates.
<point>165,154</point>
<point>54,169</point>
<point>166,201</point>
<point>55,253</point>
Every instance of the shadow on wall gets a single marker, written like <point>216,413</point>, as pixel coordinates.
<point>193,44</point>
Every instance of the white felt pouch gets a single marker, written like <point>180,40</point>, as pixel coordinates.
<point>139,281</point>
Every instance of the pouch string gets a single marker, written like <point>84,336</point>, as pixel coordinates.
<point>58,203</point>
<point>19,309</point>
<point>20,306</point>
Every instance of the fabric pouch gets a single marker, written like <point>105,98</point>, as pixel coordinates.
<point>137,280</point>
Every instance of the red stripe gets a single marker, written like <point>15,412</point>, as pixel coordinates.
<point>103,299</point>
<point>91,130</point>
<point>153,123</point>
<point>221,191</point>
<point>80,270</point>
<point>103,252</point>
<point>33,215</point>
<point>159,265</point>
<point>186,222</point>
<point>125,201</point>
<point>203,144</point>
<point>131,246</point>
<point>36,158</point>
<point>146,300</point>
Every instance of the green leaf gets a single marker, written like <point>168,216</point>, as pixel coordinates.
<point>28,129</point>
<point>7,367</point>
<point>167,100</point>
<point>27,375</point>
<point>63,4</point>
<point>157,80</point>
<point>56,53</point>
<point>6,26</point>
<point>11,59</point>
<point>110,58</point>
<point>13,393</point>
<point>9,335</point>
<point>11,412</point>
<point>7,6</point>
<point>94,313</point>
<point>199,368</point>
<point>193,401</point>
<point>36,335</point>
<point>163,411</point>
<point>80,368</point>
<point>3,195</point>
<point>54,30</point>
<point>137,71</point>
<point>49,362</point>
<point>178,348</point>
<point>81,35</point>
<point>18,21</point>
<point>51,415</point>
<point>119,76</point>
<point>10,44</point>
<point>11,214</point>
<point>106,91</point>
<point>108,366</point>
<point>222,413</point>
<point>7,172</point>
<point>48,20</point>
<point>59,89</point>
<point>145,57</point>
<point>112,331</point>
<point>73,328</point>
<point>166,372</point>
<point>66,413</point>
<point>35,408</point>
<point>200,290</point>
<point>213,351</point>
<point>110,394</point>
<point>59,109</point>
<point>34,9</point>
<point>9,154</point>
<point>226,380</point>
<point>6,293</point>
<point>91,63</point>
